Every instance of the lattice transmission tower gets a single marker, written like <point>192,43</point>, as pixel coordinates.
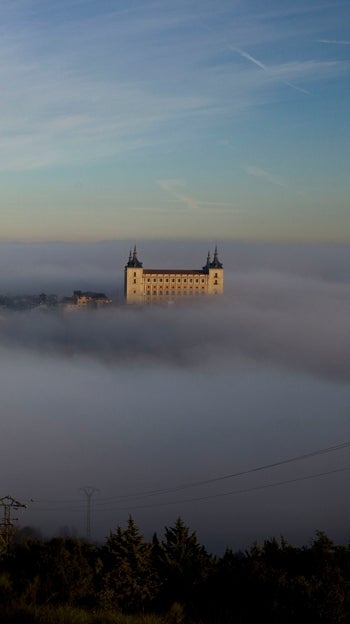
<point>7,528</point>
<point>89,491</point>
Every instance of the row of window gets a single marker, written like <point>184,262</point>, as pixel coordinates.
<point>172,293</point>
<point>155,286</point>
<point>179,280</point>
<point>179,289</point>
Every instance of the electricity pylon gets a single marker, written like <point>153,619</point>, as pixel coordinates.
<point>6,526</point>
<point>88,491</point>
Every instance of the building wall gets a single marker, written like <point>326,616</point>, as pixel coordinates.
<point>133,285</point>
<point>82,300</point>
<point>216,282</point>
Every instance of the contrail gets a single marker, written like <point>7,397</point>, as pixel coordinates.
<point>266,69</point>
<point>333,41</point>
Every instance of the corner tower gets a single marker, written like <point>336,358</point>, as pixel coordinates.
<point>133,279</point>
<point>215,272</point>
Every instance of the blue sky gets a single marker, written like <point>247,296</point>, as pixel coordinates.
<point>173,119</point>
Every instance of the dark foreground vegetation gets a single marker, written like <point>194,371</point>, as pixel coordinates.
<point>173,581</point>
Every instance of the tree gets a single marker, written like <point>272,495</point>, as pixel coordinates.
<point>185,563</point>
<point>57,572</point>
<point>130,581</point>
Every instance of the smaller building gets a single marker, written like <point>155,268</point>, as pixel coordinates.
<point>167,285</point>
<point>85,300</point>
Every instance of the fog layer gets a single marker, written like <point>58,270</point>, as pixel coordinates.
<point>136,399</point>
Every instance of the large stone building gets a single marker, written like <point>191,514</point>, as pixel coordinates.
<point>166,285</point>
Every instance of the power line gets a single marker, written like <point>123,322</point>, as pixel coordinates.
<point>218,495</point>
<point>240,473</point>
<point>193,484</point>
<point>232,492</point>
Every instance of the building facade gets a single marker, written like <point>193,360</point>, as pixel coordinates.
<point>85,300</point>
<point>142,286</point>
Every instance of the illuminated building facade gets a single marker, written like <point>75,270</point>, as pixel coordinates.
<point>168,285</point>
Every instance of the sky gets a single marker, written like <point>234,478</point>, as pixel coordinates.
<point>134,400</point>
<point>174,119</point>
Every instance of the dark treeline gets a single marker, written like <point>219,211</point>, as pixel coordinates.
<point>173,581</point>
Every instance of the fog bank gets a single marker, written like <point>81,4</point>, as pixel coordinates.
<point>137,399</point>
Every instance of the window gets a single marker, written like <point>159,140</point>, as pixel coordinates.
<point>134,273</point>
<point>134,281</point>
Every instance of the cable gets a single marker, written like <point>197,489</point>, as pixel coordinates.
<point>219,495</point>
<point>185,486</point>
<point>241,473</point>
<point>242,491</point>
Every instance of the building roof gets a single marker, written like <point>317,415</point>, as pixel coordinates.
<point>215,264</point>
<point>133,260</point>
<point>173,272</point>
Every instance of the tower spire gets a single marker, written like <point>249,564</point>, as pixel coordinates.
<point>216,264</point>
<point>207,264</point>
<point>133,259</point>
